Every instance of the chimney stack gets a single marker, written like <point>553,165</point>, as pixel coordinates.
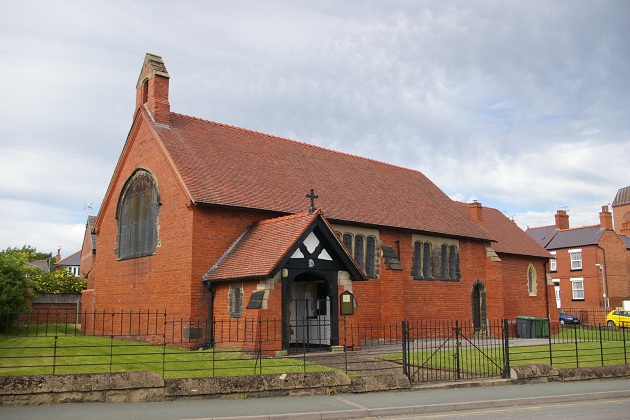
<point>475,210</point>
<point>58,257</point>
<point>605,218</point>
<point>562,219</point>
<point>152,89</point>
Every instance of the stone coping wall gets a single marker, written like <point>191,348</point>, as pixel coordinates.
<point>149,386</point>
<point>144,386</point>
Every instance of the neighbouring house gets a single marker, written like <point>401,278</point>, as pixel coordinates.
<point>43,264</point>
<point>589,267</point>
<point>211,221</point>
<point>72,263</point>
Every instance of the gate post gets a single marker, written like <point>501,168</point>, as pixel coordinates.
<point>457,345</point>
<point>506,349</point>
<point>405,349</point>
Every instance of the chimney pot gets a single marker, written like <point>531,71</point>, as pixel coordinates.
<point>605,218</point>
<point>562,219</point>
<point>475,210</point>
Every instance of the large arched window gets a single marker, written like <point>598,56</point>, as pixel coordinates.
<point>137,216</point>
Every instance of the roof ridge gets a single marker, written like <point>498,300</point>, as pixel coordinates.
<point>287,217</point>
<point>540,227</point>
<point>69,256</point>
<point>581,227</point>
<point>303,143</point>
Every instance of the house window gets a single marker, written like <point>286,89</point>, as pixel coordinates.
<point>553,262</point>
<point>576,259</point>
<point>137,216</point>
<point>531,280</point>
<point>577,286</point>
<point>235,299</point>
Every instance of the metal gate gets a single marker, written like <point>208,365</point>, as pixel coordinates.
<point>310,324</point>
<point>449,351</point>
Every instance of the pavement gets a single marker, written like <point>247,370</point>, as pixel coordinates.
<point>421,399</point>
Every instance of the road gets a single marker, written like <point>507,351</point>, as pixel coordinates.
<point>613,409</point>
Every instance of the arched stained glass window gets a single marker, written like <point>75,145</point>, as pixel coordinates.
<point>137,216</point>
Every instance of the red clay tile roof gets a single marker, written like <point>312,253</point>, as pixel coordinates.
<point>510,239</point>
<point>228,166</point>
<point>260,248</point>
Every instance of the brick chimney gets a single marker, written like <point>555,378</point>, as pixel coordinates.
<point>605,218</point>
<point>562,219</point>
<point>625,228</point>
<point>152,89</point>
<point>475,210</point>
<point>58,257</point>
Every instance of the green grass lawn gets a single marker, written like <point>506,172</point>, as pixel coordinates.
<point>89,354</point>
<point>34,350</point>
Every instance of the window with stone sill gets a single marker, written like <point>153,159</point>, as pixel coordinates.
<point>577,288</point>
<point>430,262</point>
<point>576,259</point>
<point>363,249</point>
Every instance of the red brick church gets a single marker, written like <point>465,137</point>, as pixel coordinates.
<point>212,221</point>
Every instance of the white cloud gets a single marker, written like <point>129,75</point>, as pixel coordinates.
<point>522,106</point>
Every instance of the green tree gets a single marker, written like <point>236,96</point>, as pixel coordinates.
<point>58,281</point>
<point>16,276</point>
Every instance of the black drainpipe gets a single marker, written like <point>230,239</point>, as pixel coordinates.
<point>211,292</point>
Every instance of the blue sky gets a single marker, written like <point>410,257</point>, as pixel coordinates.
<point>522,106</point>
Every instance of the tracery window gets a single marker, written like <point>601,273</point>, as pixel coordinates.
<point>137,216</point>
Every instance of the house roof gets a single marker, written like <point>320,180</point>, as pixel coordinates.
<point>510,238</point>
<point>43,264</point>
<point>626,240</point>
<point>583,236</point>
<point>69,261</point>
<point>622,197</point>
<point>258,251</point>
<point>543,234</point>
<point>228,166</point>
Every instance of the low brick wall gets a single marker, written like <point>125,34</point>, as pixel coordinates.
<point>149,386</point>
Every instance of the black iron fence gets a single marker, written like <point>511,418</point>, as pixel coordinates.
<point>59,342</point>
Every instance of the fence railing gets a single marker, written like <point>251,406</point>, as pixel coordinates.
<point>59,342</point>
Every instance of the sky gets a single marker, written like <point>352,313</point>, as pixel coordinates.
<point>522,106</point>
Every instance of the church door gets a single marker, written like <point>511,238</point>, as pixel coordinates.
<point>309,313</point>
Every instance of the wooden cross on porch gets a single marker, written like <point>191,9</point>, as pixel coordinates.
<point>312,196</point>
